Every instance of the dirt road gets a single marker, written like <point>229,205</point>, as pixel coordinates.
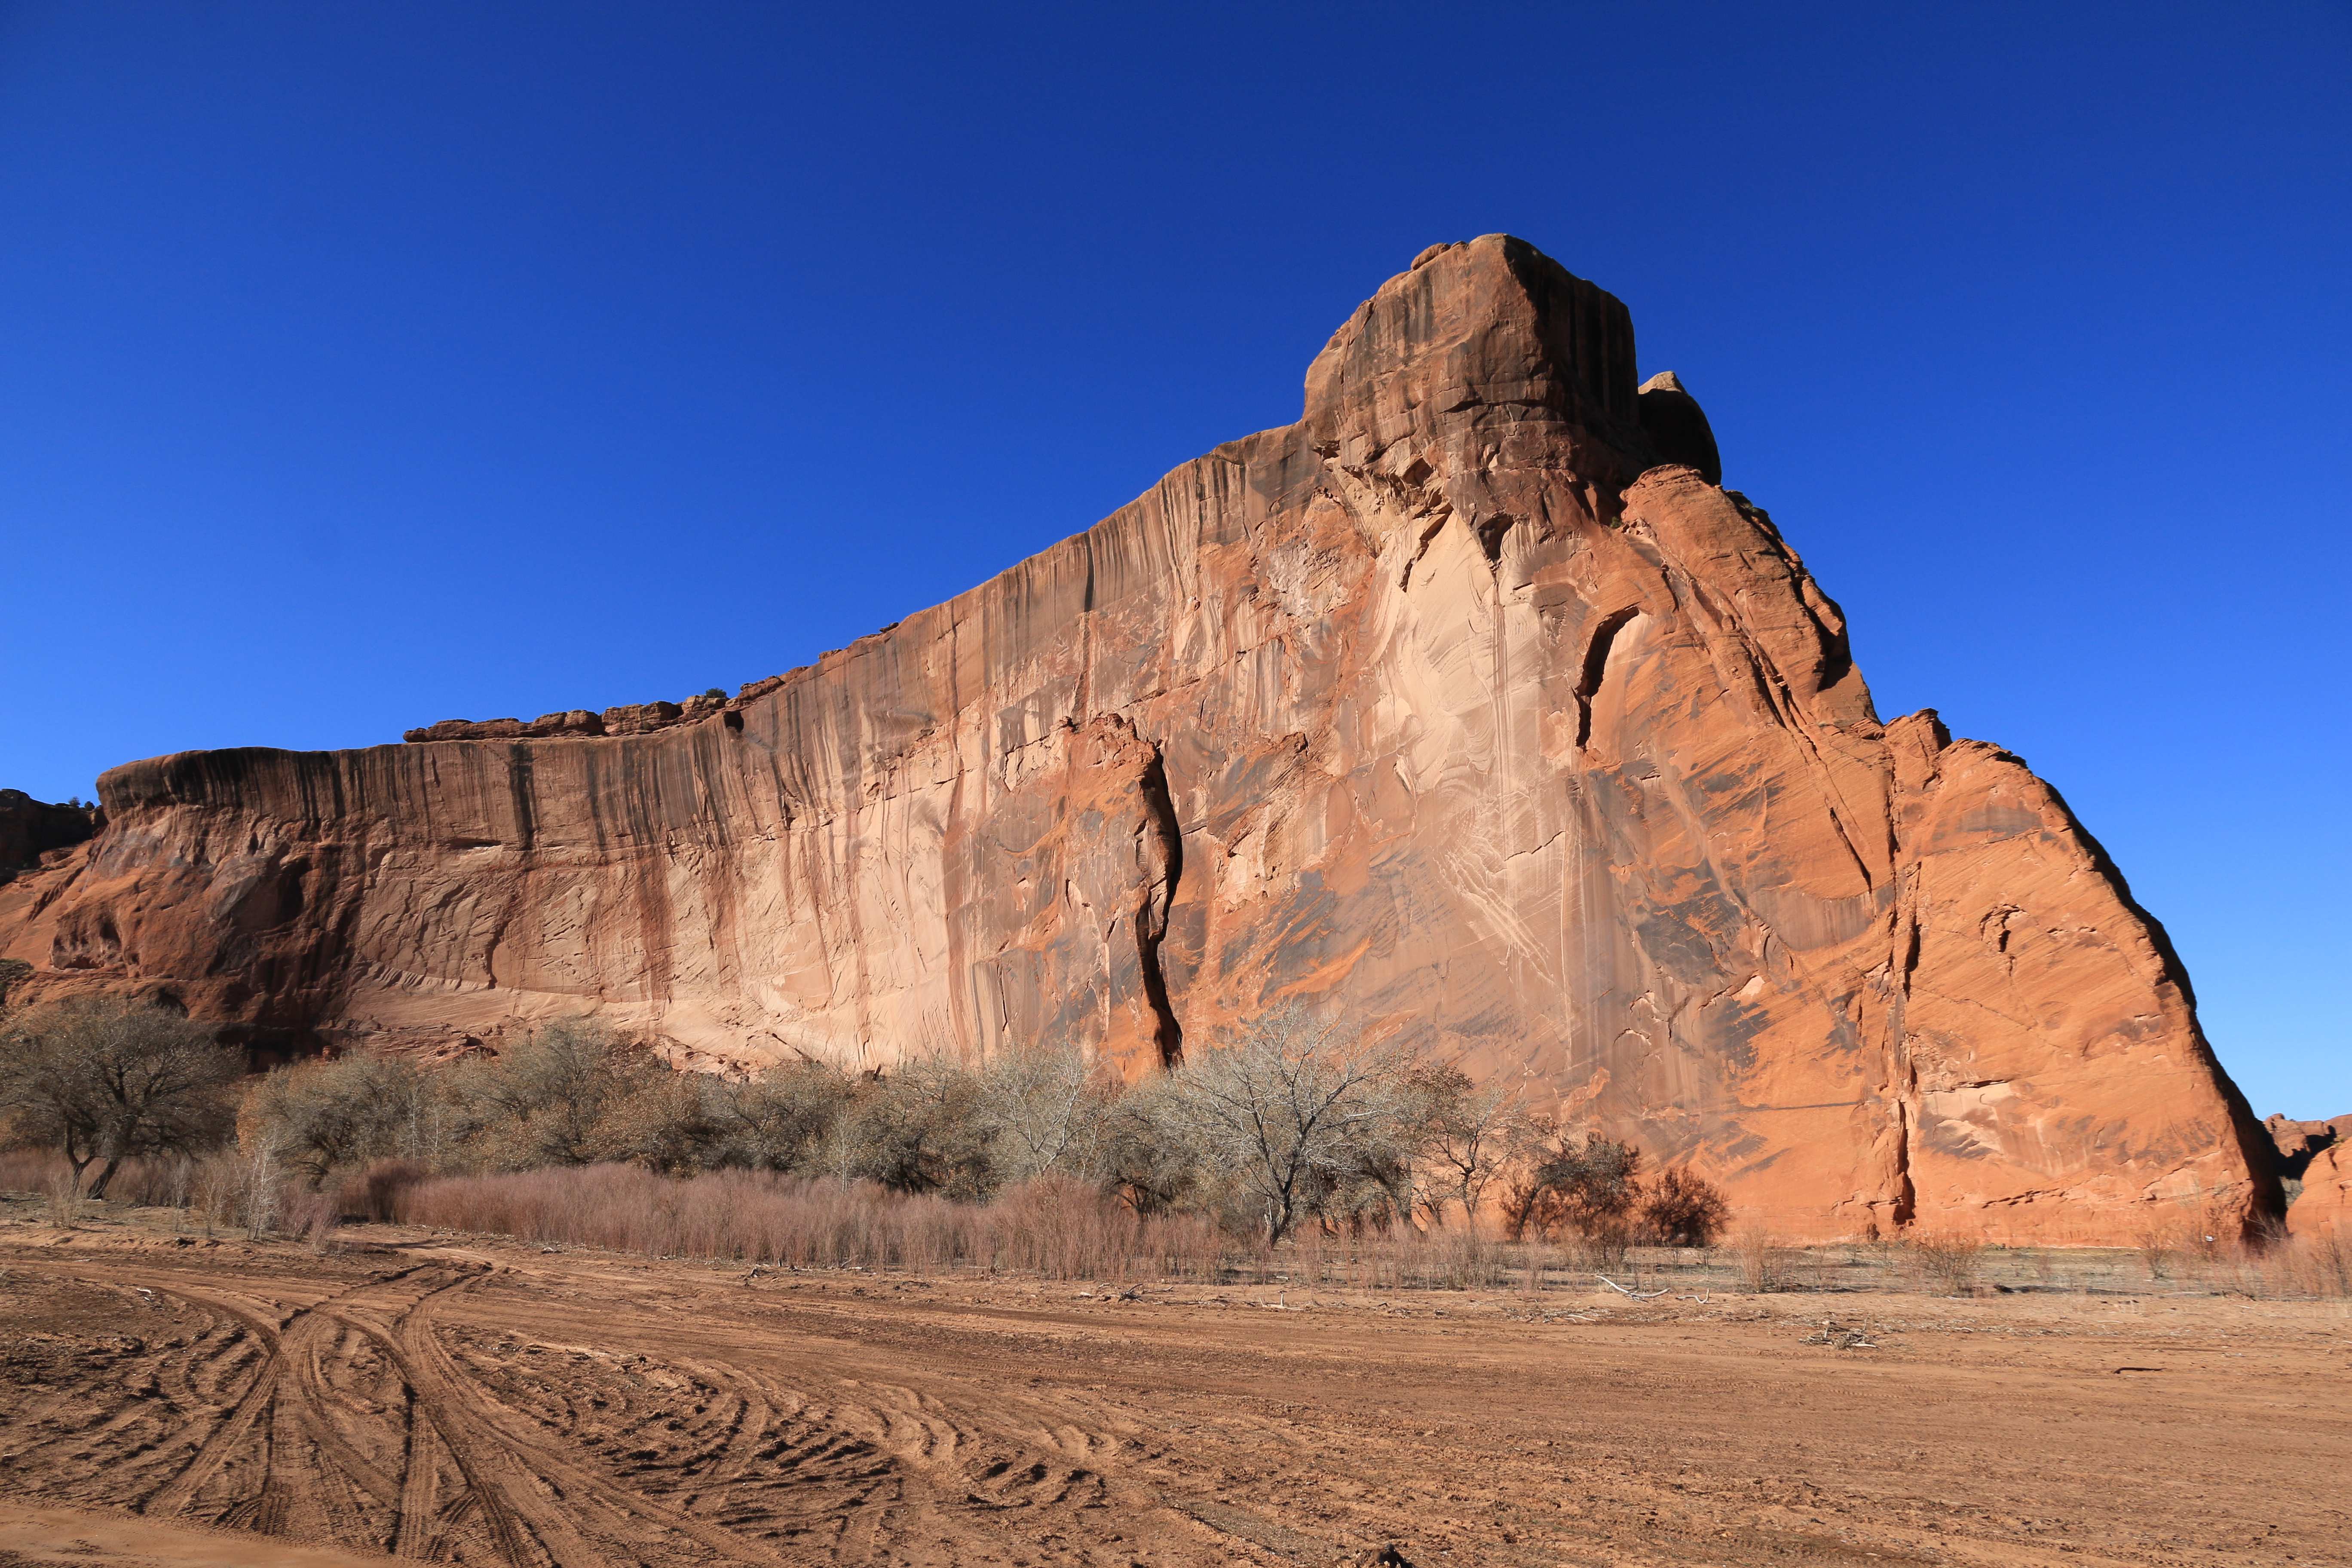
<point>497,1405</point>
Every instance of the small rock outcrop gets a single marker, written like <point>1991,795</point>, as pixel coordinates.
<point>2298,1143</point>
<point>1470,704</point>
<point>1677,427</point>
<point>629,719</point>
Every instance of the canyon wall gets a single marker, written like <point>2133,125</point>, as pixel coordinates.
<point>1470,705</point>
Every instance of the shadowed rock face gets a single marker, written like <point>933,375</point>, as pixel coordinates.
<point>31,828</point>
<point>1452,703</point>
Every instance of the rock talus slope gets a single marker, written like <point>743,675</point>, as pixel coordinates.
<point>1467,703</point>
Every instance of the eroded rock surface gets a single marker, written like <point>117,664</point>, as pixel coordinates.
<point>1467,703</point>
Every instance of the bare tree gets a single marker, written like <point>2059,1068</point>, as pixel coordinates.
<point>1590,1185</point>
<point>921,1130</point>
<point>1046,1109</point>
<point>1149,1152</point>
<point>106,1080</point>
<point>336,1112</point>
<point>1294,1105</point>
<point>783,1117</point>
<point>1685,1209</point>
<point>1477,1133</point>
<point>546,1101</point>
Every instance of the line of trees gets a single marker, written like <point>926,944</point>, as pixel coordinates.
<point>1292,1120</point>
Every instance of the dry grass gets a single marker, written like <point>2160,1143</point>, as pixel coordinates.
<point>160,1183</point>
<point>1764,1264</point>
<point>1067,1229</point>
<point>1053,1226</point>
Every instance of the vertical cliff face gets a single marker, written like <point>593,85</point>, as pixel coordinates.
<point>1468,703</point>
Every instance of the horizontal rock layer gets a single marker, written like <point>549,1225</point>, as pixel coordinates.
<point>1466,704</point>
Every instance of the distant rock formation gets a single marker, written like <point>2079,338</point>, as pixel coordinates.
<point>2316,1156</point>
<point>630,719</point>
<point>30,828</point>
<point>1470,704</point>
<point>2298,1143</point>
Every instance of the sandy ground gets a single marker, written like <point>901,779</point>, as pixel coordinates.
<point>493,1402</point>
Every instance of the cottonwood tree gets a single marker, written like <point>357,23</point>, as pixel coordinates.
<point>922,1129</point>
<point>106,1080</point>
<point>783,1117</point>
<point>1149,1152</point>
<point>322,1116</point>
<point>1589,1185</point>
<point>1685,1209</point>
<point>1046,1109</point>
<point>547,1100</point>
<point>1475,1135</point>
<point>1294,1105</point>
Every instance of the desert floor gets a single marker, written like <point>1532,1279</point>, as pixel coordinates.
<point>163,1396</point>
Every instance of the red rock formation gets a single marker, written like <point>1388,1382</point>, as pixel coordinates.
<point>2325,1206</point>
<point>2296,1142</point>
<point>31,828</point>
<point>1455,703</point>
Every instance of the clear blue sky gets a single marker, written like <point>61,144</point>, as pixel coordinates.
<point>363,365</point>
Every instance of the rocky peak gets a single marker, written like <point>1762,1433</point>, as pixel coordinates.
<point>1483,335</point>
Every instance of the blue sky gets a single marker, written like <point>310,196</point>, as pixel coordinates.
<point>365,365</point>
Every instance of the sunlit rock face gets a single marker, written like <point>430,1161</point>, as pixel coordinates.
<point>1456,704</point>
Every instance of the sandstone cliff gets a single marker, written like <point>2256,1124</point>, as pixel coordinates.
<point>1468,702</point>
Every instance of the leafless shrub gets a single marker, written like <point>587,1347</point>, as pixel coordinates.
<point>375,1193</point>
<point>217,1188</point>
<point>1947,1262</point>
<point>64,1193</point>
<point>2154,1246</point>
<point>28,1170</point>
<point>2219,1228</point>
<point>1765,1265</point>
<point>254,1188</point>
<point>2318,1266</point>
<point>310,1214</point>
